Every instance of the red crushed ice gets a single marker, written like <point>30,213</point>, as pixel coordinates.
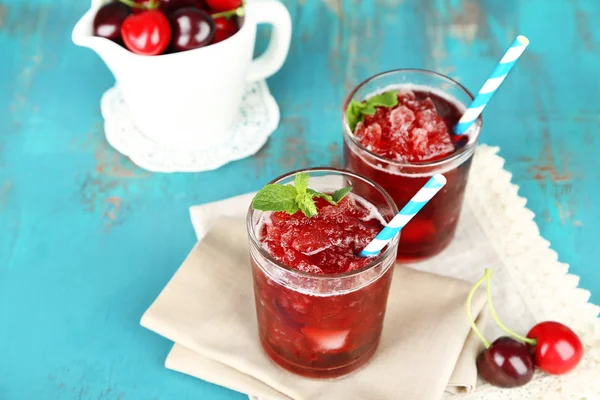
<point>311,242</point>
<point>327,243</point>
<point>401,120</point>
<point>411,131</point>
<point>370,134</point>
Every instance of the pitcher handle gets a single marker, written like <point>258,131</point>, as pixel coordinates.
<point>270,12</point>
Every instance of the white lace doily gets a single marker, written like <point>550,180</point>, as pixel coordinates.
<point>545,284</point>
<point>527,275</point>
<point>259,117</point>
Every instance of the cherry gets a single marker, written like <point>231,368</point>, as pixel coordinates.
<point>552,346</point>
<point>108,20</point>
<point>168,6</point>
<point>557,348</point>
<point>223,5</point>
<point>225,28</point>
<point>506,363</point>
<point>146,33</point>
<point>192,28</point>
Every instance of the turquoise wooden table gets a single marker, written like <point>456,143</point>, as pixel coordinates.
<point>87,239</point>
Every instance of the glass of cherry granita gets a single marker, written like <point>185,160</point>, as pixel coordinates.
<point>320,306</point>
<point>400,145</point>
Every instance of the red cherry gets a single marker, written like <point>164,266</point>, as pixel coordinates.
<point>147,33</point>
<point>558,349</point>
<point>506,363</point>
<point>108,20</point>
<point>192,28</point>
<point>223,5</point>
<point>226,28</point>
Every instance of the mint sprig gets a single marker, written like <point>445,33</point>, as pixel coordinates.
<point>357,110</point>
<point>291,199</point>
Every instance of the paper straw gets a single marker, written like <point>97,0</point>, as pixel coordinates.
<point>405,215</point>
<point>491,85</point>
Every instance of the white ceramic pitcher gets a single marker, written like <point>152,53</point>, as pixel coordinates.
<point>191,98</point>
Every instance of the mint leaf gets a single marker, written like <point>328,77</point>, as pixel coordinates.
<point>339,194</point>
<point>368,110</point>
<point>354,113</point>
<point>301,182</point>
<point>327,197</point>
<point>274,197</point>
<point>306,204</point>
<point>387,99</point>
<point>356,110</point>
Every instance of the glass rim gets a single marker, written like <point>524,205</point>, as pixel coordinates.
<point>373,263</point>
<point>468,148</point>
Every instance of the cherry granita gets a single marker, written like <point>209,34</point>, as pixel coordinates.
<point>401,136</point>
<point>319,304</point>
<point>327,243</point>
<point>417,129</point>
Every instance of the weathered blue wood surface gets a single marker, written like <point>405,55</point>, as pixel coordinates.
<point>87,240</point>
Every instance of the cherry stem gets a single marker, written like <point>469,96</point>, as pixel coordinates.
<point>132,4</point>
<point>469,299</point>
<point>153,4</point>
<point>228,14</point>
<point>488,276</point>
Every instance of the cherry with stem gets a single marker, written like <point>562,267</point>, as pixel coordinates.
<point>226,24</point>
<point>505,362</point>
<point>555,347</point>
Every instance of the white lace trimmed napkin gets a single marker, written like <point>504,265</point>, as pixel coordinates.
<point>207,309</point>
<point>495,231</point>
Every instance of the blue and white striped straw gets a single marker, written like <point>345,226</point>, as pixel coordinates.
<point>491,85</point>
<point>415,204</point>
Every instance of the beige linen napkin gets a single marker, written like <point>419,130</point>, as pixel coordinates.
<point>207,309</point>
